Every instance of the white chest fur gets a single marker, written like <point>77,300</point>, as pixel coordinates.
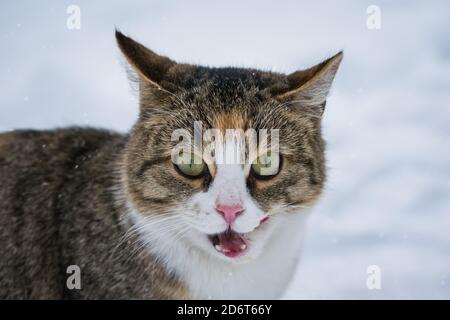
<point>265,277</point>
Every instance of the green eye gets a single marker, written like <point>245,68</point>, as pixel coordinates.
<point>192,165</point>
<point>267,165</point>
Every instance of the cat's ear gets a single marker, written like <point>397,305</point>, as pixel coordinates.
<point>310,87</point>
<point>147,64</point>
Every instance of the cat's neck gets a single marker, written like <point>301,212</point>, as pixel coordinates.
<point>207,277</point>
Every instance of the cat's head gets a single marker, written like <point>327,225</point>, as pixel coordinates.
<point>227,194</point>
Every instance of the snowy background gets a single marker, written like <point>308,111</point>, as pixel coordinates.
<point>387,122</point>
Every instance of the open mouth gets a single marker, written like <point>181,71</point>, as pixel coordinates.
<point>229,243</point>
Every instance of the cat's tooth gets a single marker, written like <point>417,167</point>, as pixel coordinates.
<point>218,247</point>
<point>243,246</point>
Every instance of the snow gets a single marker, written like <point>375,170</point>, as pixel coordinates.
<point>387,120</point>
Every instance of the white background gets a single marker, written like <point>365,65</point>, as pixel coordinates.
<point>387,121</point>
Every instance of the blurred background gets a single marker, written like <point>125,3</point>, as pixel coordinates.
<point>387,122</point>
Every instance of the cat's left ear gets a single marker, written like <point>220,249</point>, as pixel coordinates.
<point>310,87</point>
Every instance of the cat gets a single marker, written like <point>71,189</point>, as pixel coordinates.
<point>138,225</point>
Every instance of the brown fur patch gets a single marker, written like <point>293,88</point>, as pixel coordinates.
<point>230,120</point>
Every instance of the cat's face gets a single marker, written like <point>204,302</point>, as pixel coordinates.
<point>236,184</point>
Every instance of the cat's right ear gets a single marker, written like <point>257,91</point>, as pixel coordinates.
<point>151,67</point>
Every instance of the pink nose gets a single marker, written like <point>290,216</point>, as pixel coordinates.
<point>229,213</point>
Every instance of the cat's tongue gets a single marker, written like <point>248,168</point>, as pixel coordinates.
<point>229,243</point>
